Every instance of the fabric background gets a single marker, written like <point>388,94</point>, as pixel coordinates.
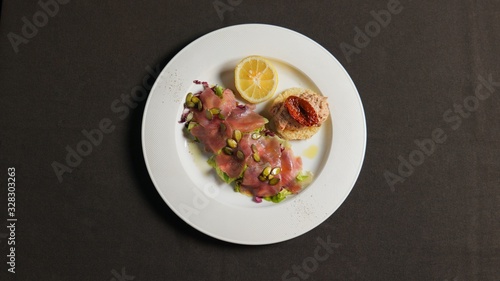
<point>105,220</point>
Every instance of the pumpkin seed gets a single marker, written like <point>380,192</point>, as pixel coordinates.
<point>266,171</point>
<point>270,177</point>
<point>215,110</point>
<point>231,143</point>
<point>262,178</point>
<point>256,157</point>
<point>275,171</point>
<point>195,99</point>
<point>222,127</point>
<point>240,155</point>
<point>227,150</point>
<point>221,116</point>
<point>274,181</point>
<point>189,97</point>
<point>209,115</point>
<point>237,135</point>
<point>200,106</point>
<point>254,148</point>
<point>189,117</point>
<point>190,104</point>
<point>191,125</point>
<point>255,136</point>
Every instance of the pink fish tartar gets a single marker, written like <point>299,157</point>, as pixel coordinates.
<point>243,152</point>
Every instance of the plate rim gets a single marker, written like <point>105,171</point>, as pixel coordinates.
<point>285,30</point>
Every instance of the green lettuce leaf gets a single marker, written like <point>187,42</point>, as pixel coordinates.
<point>278,197</point>
<point>304,177</point>
<point>218,91</point>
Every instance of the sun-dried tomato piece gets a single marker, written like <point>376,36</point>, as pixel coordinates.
<point>301,111</point>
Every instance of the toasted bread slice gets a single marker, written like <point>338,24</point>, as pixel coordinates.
<point>286,126</point>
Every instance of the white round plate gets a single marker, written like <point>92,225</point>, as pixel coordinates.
<point>191,188</point>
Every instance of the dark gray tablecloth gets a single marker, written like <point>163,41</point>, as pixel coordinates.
<point>425,206</point>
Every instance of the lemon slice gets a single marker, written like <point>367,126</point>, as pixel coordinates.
<point>256,79</point>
